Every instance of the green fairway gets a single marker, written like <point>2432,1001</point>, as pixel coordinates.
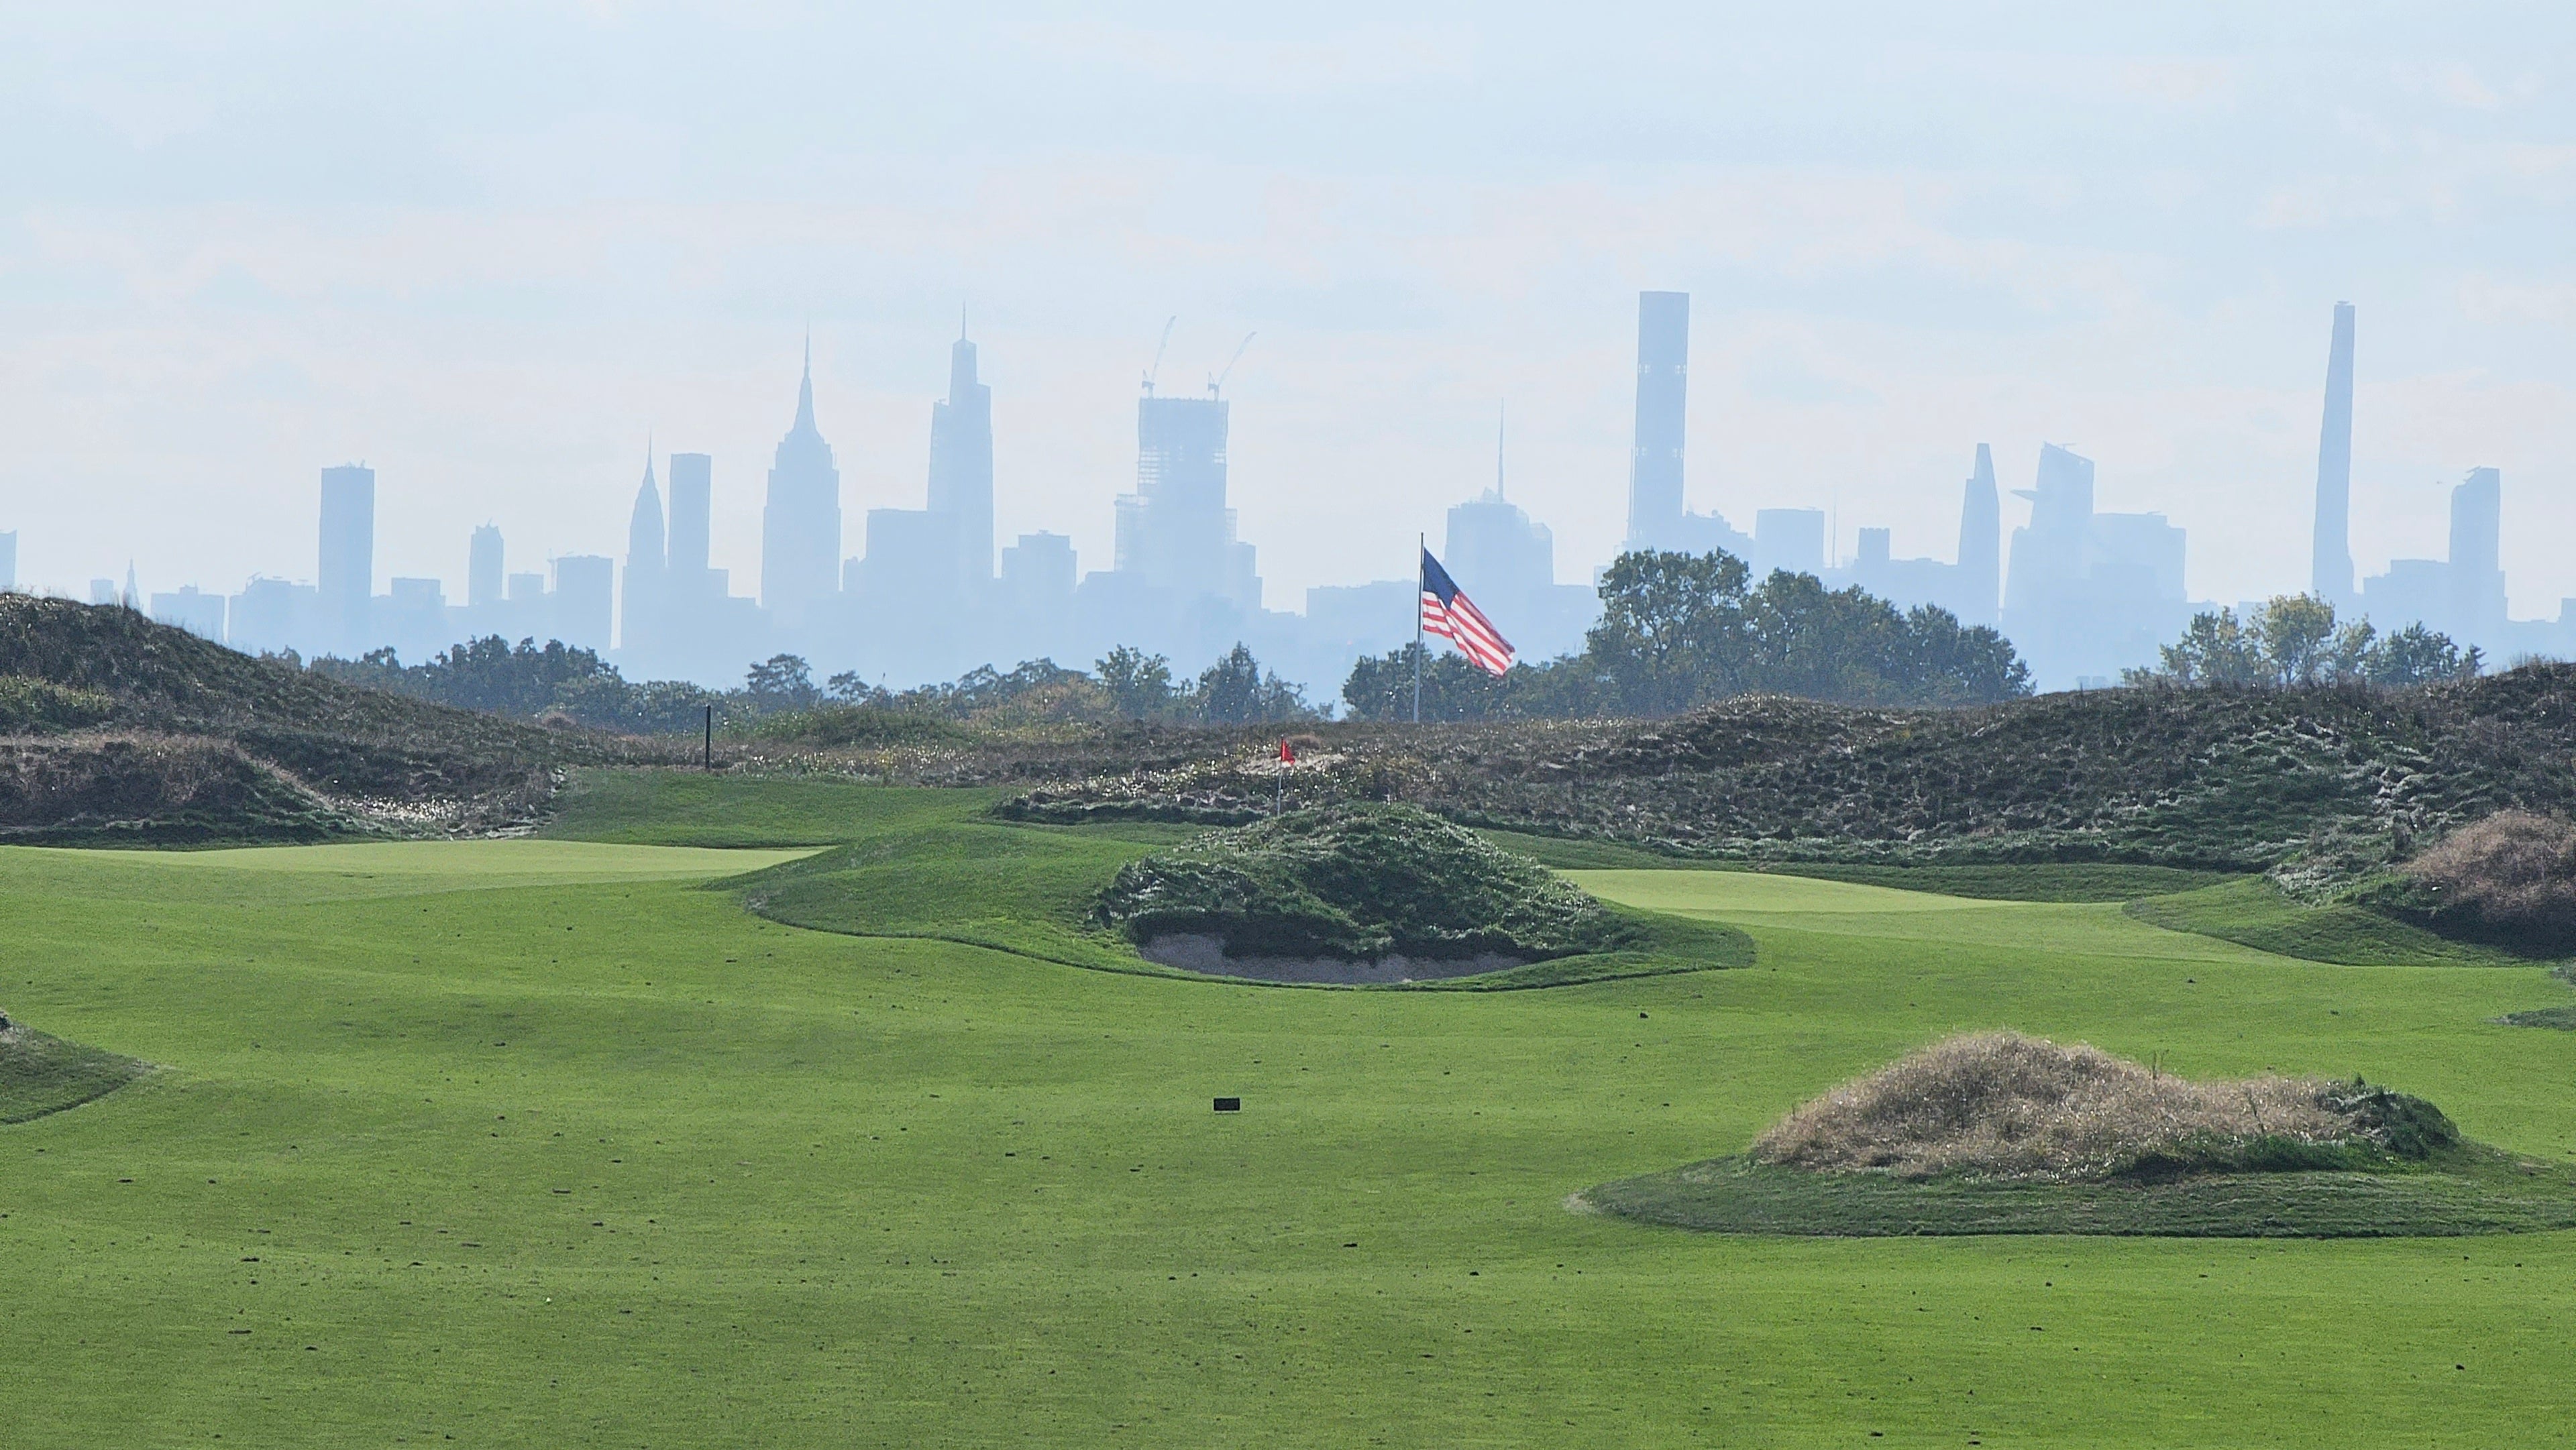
<point>547,1144</point>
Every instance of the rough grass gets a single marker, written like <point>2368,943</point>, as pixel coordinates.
<point>41,707</point>
<point>1997,1133</point>
<point>2001,1105</point>
<point>2510,877</point>
<point>1357,883</point>
<point>2221,780</point>
<point>2254,912</point>
<point>41,1074</point>
<point>252,749</point>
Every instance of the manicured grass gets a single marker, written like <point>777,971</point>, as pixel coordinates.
<point>41,1074</point>
<point>2251,911</point>
<point>2466,1191</point>
<point>616,1163</point>
<point>2046,881</point>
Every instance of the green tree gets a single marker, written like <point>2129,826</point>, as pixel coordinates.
<point>1672,631</point>
<point>1139,684</point>
<point>780,682</point>
<point>2295,633</point>
<point>1234,691</point>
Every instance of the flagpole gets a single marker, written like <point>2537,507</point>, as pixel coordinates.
<point>1421,546</point>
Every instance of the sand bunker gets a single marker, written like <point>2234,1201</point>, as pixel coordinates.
<point>1193,952</point>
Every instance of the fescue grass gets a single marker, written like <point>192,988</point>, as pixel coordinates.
<point>830,1189</point>
<point>2253,912</point>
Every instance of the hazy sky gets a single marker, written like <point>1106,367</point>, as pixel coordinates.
<point>486,248</point>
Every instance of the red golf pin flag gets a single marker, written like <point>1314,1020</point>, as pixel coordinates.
<point>1450,614</point>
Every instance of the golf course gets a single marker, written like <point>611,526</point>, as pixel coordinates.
<point>556,1141</point>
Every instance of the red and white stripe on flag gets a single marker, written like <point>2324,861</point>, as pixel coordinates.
<point>1448,613</point>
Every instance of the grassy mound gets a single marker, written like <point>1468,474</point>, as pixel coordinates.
<point>1999,1133</point>
<point>2509,878</point>
<point>41,1074</point>
<point>122,730</point>
<point>1358,883</point>
<point>2343,780</point>
<point>2251,911</point>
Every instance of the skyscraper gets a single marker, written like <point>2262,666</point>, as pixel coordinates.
<point>1655,462</point>
<point>1980,543</point>
<point>800,527</point>
<point>483,567</point>
<point>644,561</point>
<point>9,561</point>
<point>1175,531</point>
<point>2477,571</point>
<point>684,572</point>
<point>347,572</point>
<point>2330,575</point>
<point>961,463</point>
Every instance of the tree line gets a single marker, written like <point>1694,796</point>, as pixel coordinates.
<point>1679,631</point>
<point>2295,639</point>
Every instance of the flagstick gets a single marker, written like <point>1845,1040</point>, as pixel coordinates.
<point>1421,546</point>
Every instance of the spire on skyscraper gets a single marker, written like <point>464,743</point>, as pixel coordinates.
<point>2330,576</point>
<point>805,391</point>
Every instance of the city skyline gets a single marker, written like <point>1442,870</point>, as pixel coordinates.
<point>2083,592</point>
<point>1901,235</point>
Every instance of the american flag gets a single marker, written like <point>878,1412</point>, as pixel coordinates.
<point>1449,614</point>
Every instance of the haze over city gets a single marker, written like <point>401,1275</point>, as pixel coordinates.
<point>241,251</point>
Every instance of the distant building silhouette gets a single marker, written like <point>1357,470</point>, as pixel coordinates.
<point>1175,532</point>
<point>1965,588</point>
<point>639,615</point>
<point>483,568</point>
<point>189,608</point>
<point>347,571</point>
<point>2330,573</point>
<point>2089,594</point>
<point>961,464</point>
<point>2462,596</point>
<point>800,527</point>
<point>1506,561</point>
<point>686,576</point>
<point>9,561</point>
<point>1790,539</point>
<point>583,602</point>
<point>1656,516</point>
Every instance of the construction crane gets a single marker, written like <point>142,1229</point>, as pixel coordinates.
<point>1218,381</point>
<point>1157,369</point>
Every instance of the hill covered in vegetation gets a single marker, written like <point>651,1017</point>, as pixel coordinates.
<point>121,729</point>
<point>2320,785</point>
<point>1999,1133</point>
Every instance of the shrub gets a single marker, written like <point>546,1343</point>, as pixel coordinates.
<point>41,707</point>
<point>1357,883</point>
<point>2004,1105</point>
<point>2511,875</point>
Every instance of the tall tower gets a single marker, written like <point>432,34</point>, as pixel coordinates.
<point>1981,525</point>
<point>684,570</point>
<point>483,567</point>
<point>2477,568</point>
<point>347,572</point>
<point>1655,463</point>
<point>2330,576</point>
<point>644,561</point>
<point>800,527</point>
<point>961,462</point>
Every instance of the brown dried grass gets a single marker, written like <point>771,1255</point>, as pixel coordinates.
<point>2002,1104</point>
<point>2513,872</point>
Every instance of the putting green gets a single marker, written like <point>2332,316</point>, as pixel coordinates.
<point>1728,893</point>
<point>613,1162</point>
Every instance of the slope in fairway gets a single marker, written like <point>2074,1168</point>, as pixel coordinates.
<point>1732,893</point>
<point>612,1162</point>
